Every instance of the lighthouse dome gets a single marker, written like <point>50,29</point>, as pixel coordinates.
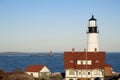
<point>92,19</point>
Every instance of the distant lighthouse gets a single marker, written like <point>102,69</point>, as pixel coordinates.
<point>92,35</point>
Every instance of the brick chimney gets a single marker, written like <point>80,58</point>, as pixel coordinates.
<point>73,50</point>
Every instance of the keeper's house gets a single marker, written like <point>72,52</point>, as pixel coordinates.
<point>37,71</point>
<point>86,66</point>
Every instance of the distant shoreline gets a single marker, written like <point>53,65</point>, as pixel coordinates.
<point>44,52</point>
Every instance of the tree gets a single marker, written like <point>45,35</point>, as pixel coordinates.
<point>3,75</point>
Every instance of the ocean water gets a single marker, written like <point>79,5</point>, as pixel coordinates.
<point>11,61</point>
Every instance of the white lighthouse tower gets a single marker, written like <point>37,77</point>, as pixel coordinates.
<point>92,35</point>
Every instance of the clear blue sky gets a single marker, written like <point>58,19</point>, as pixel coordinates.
<point>58,25</point>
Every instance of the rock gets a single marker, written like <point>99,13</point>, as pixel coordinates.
<point>56,76</point>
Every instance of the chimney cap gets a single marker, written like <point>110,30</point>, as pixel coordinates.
<point>95,49</point>
<point>73,50</point>
<point>84,49</point>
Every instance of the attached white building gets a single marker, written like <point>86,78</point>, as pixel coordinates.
<point>38,71</point>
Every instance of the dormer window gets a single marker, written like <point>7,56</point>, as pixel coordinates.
<point>71,61</point>
<point>79,62</point>
<point>84,62</point>
<point>89,62</point>
<point>97,61</point>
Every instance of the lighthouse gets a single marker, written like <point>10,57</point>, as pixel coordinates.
<point>92,35</point>
<point>90,64</point>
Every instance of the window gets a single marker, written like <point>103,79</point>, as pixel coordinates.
<point>88,73</point>
<point>92,23</point>
<point>83,73</point>
<point>71,72</point>
<point>97,61</point>
<point>78,62</point>
<point>89,62</point>
<point>79,73</point>
<point>84,62</point>
<point>71,61</point>
<point>96,72</point>
<point>43,74</point>
<point>31,74</point>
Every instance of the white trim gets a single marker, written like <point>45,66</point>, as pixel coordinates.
<point>83,73</point>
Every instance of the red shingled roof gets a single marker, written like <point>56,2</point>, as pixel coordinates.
<point>70,60</point>
<point>34,68</point>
